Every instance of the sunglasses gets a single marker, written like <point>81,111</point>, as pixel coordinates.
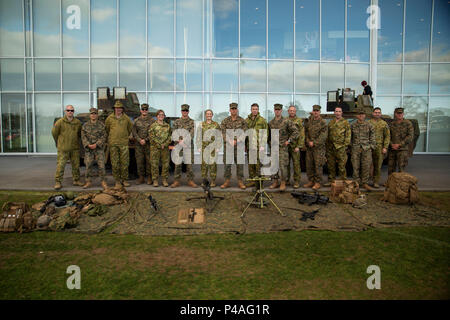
<point>70,110</point>
<point>144,109</point>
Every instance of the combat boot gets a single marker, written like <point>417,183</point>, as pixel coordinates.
<point>87,184</point>
<point>57,185</point>
<point>316,186</point>
<point>274,184</point>
<point>296,185</point>
<point>155,183</point>
<point>141,180</point>
<point>165,183</point>
<point>288,182</point>
<point>149,180</point>
<point>328,183</point>
<point>125,183</point>
<point>118,186</point>
<point>213,183</point>
<point>175,184</point>
<point>77,183</point>
<point>283,185</point>
<point>376,185</point>
<point>104,185</point>
<point>308,185</point>
<point>226,184</point>
<point>367,187</point>
<point>241,185</point>
<point>192,184</point>
<point>250,184</point>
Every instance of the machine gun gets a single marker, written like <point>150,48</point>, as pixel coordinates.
<point>153,203</point>
<point>309,199</point>
<point>208,197</point>
<point>59,201</point>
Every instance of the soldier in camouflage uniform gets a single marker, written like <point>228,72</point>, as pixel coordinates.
<point>118,127</point>
<point>363,142</point>
<point>382,137</point>
<point>256,122</point>
<point>160,136</point>
<point>402,135</point>
<point>185,122</point>
<point>233,122</point>
<point>142,150</point>
<point>93,139</point>
<point>294,148</point>
<point>66,133</point>
<point>316,133</point>
<point>288,134</point>
<point>339,136</point>
<point>201,144</point>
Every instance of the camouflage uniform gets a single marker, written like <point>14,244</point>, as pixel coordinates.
<point>228,123</point>
<point>94,133</point>
<point>212,168</point>
<point>294,157</point>
<point>160,136</point>
<point>118,130</point>
<point>401,133</point>
<point>189,125</point>
<point>317,132</point>
<point>382,137</point>
<point>363,142</point>
<point>339,136</point>
<point>67,138</point>
<point>257,123</point>
<point>142,152</point>
<point>288,131</point>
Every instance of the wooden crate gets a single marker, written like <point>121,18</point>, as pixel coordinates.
<point>185,215</point>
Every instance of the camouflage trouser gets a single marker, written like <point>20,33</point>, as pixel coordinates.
<point>189,172</point>
<point>377,161</point>
<point>294,157</point>
<point>239,167</point>
<point>212,168</point>
<point>315,159</point>
<point>120,160</point>
<point>160,156</point>
<point>283,157</point>
<point>61,160</point>
<point>397,158</point>
<point>142,154</point>
<point>90,156</point>
<point>361,162</point>
<point>254,170</point>
<point>336,155</point>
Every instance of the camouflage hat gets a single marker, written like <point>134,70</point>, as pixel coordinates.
<point>316,107</point>
<point>399,110</point>
<point>233,105</point>
<point>118,104</point>
<point>361,112</point>
<point>185,107</point>
<point>93,110</point>
<point>144,106</point>
<point>278,106</point>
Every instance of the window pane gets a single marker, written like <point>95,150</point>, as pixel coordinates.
<point>30,122</point>
<point>189,28</point>
<point>47,74</point>
<point>225,28</point>
<point>357,31</point>
<point>47,107</point>
<point>416,108</point>
<point>12,75</point>
<point>307,32</point>
<point>253,29</point>
<point>103,73</point>
<point>46,20</point>
<point>440,78</point>
<point>246,100</point>
<point>225,75</point>
<point>332,76</point>
<point>390,32</point>
<point>333,17</point>
<point>14,124</point>
<point>132,74</point>
<point>418,23</point>
<point>281,28</point>
<point>194,100</point>
<point>389,78</point>
<point>284,99</point>
<point>281,76</point>
<point>388,105</point>
<point>189,75</point>
<point>29,74</point>
<point>221,105</point>
<point>253,76</point>
<point>304,104</point>
<point>354,74</point>
<point>441,31</point>
<point>207,81</point>
<point>75,27</point>
<point>306,77</point>
<point>160,75</point>
<point>164,101</point>
<point>79,101</point>
<point>416,79</point>
<point>11,28</point>
<point>75,74</point>
<point>132,28</point>
<point>439,131</point>
<point>160,28</point>
<point>103,28</point>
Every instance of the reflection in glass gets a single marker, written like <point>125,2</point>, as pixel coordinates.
<point>415,79</point>
<point>307,32</point>
<point>132,28</point>
<point>304,103</point>
<point>390,32</point>
<point>225,28</point>
<point>47,73</point>
<point>281,76</point>
<point>164,101</point>
<point>253,76</point>
<point>11,28</point>
<point>220,103</point>
<point>75,74</point>
<point>29,74</point>
<point>132,74</point>
<point>439,130</point>
<point>103,73</point>
<point>79,101</point>
<point>418,24</point>
<point>189,75</point>
<point>284,99</point>
<point>389,79</point>
<point>103,28</point>
<point>441,31</point>
<point>47,108</point>
<point>306,77</point>
<point>246,101</point>
<point>14,125</point>
<point>75,27</point>
<point>189,28</point>
<point>11,75</point>
<point>333,14</point>
<point>253,29</point>
<point>332,76</point>
<point>46,20</point>
<point>357,31</point>
<point>225,75</point>
<point>207,81</point>
<point>388,105</point>
<point>417,108</point>
<point>160,28</point>
<point>281,33</point>
<point>194,100</point>
<point>160,75</point>
<point>440,78</point>
<point>354,74</point>
<point>30,122</point>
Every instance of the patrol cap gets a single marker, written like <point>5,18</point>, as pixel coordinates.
<point>93,110</point>
<point>185,107</point>
<point>144,106</point>
<point>118,104</point>
<point>233,105</point>
<point>278,106</point>
<point>316,107</point>
<point>361,112</point>
<point>399,110</point>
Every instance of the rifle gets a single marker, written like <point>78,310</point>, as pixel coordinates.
<point>208,197</point>
<point>153,203</point>
<point>309,199</point>
<point>305,214</point>
<point>191,215</point>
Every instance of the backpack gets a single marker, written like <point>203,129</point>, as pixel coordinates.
<point>401,188</point>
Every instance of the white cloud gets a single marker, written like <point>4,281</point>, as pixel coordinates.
<point>101,15</point>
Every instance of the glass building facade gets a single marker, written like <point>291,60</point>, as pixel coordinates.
<point>208,53</point>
